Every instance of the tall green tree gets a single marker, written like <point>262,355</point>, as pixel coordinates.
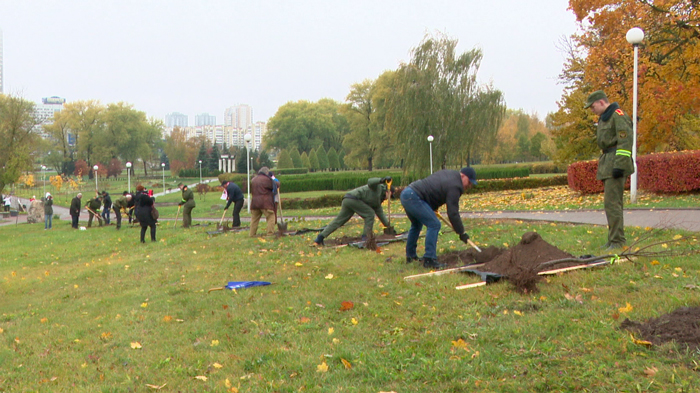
<point>313,161</point>
<point>305,162</point>
<point>86,121</point>
<point>333,159</point>
<point>322,157</point>
<point>63,152</point>
<point>306,125</point>
<point>296,157</point>
<point>437,94</point>
<point>214,158</point>
<point>341,159</point>
<point>284,161</point>
<point>17,137</point>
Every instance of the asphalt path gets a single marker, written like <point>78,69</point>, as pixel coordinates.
<point>686,219</point>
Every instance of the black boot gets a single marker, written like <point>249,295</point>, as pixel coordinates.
<point>432,263</point>
<point>319,240</point>
<point>411,259</point>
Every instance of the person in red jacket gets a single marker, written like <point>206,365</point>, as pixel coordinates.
<point>262,202</point>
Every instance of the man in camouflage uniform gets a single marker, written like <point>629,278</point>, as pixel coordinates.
<point>187,204</point>
<point>94,204</point>
<point>614,138</point>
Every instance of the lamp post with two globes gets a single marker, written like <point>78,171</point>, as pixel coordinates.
<point>634,36</point>
<point>248,138</point>
<point>128,174</point>
<point>430,140</point>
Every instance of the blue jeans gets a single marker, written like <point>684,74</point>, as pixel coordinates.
<point>420,213</point>
<point>48,220</point>
<point>105,215</point>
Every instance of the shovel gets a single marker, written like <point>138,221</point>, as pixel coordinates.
<point>281,225</point>
<point>176,216</point>
<point>471,243</point>
<point>222,220</point>
<point>389,230</point>
<point>95,214</point>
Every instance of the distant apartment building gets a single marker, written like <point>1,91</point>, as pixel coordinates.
<point>225,135</point>
<point>44,112</point>
<point>2,78</point>
<point>176,119</point>
<point>204,119</point>
<point>239,116</point>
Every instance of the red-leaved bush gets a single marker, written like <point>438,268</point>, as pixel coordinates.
<point>660,173</point>
<point>669,172</point>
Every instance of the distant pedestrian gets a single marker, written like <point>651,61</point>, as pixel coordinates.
<point>121,203</point>
<point>107,206</point>
<point>48,210</point>
<point>234,195</point>
<point>614,137</point>
<point>7,201</point>
<point>366,201</point>
<point>94,206</point>
<point>75,210</point>
<point>187,204</point>
<point>262,202</point>
<point>422,198</point>
<point>145,217</point>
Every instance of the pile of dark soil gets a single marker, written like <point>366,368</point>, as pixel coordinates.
<point>519,264</point>
<point>339,241</point>
<point>681,326</point>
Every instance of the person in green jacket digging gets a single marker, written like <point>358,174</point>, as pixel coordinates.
<point>187,204</point>
<point>366,201</point>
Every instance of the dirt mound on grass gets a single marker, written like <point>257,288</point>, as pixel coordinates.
<point>681,326</point>
<point>338,241</point>
<point>519,264</point>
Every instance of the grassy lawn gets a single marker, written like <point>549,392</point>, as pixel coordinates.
<point>86,311</point>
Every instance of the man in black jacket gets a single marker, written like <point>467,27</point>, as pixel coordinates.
<point>107,202</point>
<point>422,198</point>
<point>75,210</point>
<point>234,195</point>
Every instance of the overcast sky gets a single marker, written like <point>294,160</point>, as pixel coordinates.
<point>197,56</point>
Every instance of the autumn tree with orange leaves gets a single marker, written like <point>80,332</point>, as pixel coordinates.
<point>600,58</point>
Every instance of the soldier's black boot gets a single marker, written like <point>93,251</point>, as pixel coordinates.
<point>319,240</point>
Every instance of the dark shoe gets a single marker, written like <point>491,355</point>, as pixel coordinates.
<point>319,240</point>
<point>411,259</point>
<point>431,263</point>
<point>605,246</point>
<point>614,247</point>
<point>364,238</point>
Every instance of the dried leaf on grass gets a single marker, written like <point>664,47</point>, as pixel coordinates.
<point>345,306</point>
<point>156,387</point>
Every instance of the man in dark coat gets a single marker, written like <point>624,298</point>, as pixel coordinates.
<point>366,201</point>
<point>107,205</point>
<point>75,210</point>
<point>614,138</point>
<point>145,217</point>
<point>187,204</point>
<point>262,202</point>
<point>235,196</point>
<point>422,198</point>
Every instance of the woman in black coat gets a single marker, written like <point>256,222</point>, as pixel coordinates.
<point>144,215</point>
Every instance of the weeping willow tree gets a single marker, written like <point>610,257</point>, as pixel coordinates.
<point>437,94</point>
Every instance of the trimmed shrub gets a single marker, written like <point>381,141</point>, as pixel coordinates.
<point>546,167</point>
<point>291,171</point>
<point>669,172</point>
<point>581,177</point>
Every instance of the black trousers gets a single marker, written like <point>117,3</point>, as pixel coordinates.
<point>74,223</point>
<point>237,206</point>
<point>143,231</point>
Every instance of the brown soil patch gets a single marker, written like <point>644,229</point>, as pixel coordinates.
<point>519,264</point>
<point>681,326</point>
<point>339,241</point>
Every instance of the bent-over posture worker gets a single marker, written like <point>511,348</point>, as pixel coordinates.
<point>94,205</point>
<point>422,198</point>
<point>234,195</point>
<point>614,138</point>
<point>121,203</point>
<point>366,201</point>
<point>187,204</point>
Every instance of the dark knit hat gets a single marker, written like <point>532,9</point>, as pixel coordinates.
<point>470,173</point>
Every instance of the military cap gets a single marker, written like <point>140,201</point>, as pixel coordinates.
<point>595,96</point>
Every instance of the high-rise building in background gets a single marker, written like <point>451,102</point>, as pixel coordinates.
<point>239,116</point>
<point>204,119</point>
<point>2,79</point>
<point>176,119</point>
<point>44,113</point>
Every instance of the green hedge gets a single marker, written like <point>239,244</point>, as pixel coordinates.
<point>290,171</point>
<point>195,172</point>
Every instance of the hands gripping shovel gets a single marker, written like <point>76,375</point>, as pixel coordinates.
<point>390,229</point>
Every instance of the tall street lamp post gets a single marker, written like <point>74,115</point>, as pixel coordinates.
<point>162,165</point>
<point>430,140</point>
<point>247,138</point>
<point>95,168</point>
<point>200,171</point>
<point>43,174</point>
<point>128,174</point>
<point>635,36</point>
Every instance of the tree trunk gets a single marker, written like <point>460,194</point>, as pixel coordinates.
<point>145,170</point>
<point>369,163</point>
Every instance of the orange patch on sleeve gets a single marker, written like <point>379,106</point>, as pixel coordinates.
<point>620,112</point>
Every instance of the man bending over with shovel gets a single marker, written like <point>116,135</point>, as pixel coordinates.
<point>366,201</point>
<point>422,198</point>
<point>234,195</point>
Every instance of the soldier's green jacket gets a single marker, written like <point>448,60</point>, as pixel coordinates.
<point>615,140</point>
<point>187,197</point>
<point>372,194</point>
<point>121,202</point>
<point>94,204</point>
